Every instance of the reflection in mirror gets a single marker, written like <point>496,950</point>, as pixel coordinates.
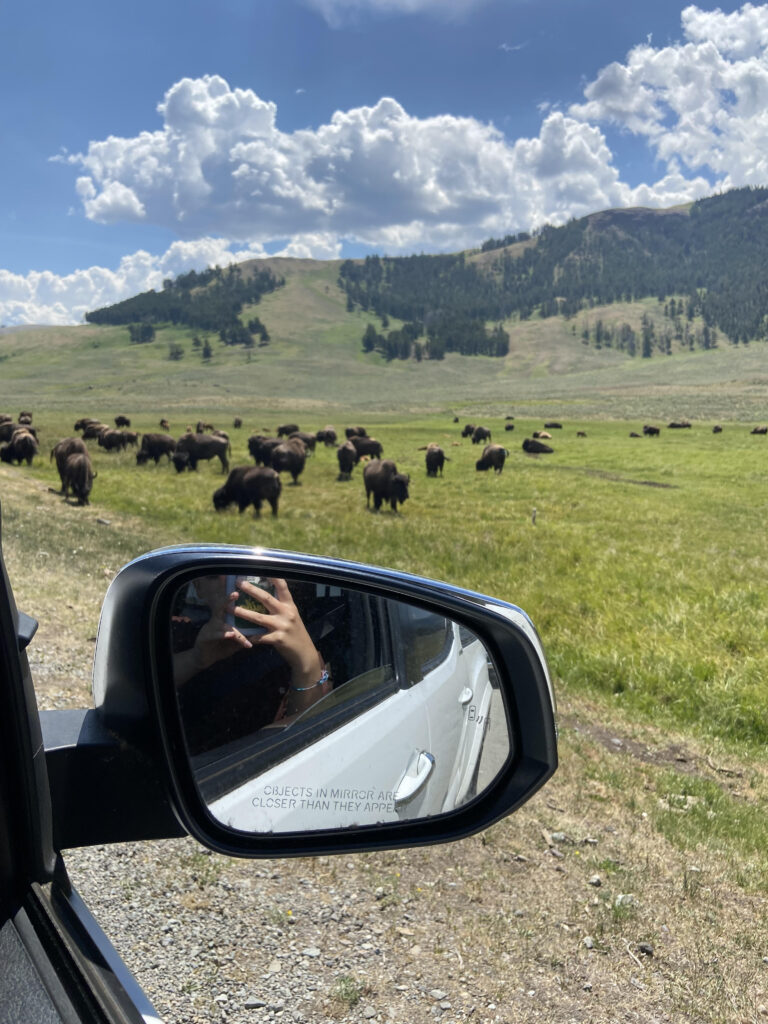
<point>307,706</point>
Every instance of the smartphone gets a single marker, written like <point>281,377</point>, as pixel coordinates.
<point>244,626</point>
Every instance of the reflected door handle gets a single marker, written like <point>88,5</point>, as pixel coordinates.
<point>465,696</point>
<point>415,777</point>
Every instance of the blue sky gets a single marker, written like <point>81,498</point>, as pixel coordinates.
<point>141,142</point>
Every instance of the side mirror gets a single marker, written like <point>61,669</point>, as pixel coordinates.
<point>298,705</point>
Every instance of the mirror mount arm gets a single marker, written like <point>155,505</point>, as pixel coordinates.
<point>104,788</point>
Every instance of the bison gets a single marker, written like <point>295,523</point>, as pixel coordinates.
<point>651,431</point>
<point>155,446</point>
<point>543,435</point>
<point>553,425</point>
<point>327,436</point>
<point>759,430</point>
<point>480,434</point>
<point>435,459</point>
<point>348,458</point>
<point>679,425</point>
<point>308,440</point>
<point>351,432</point>
<point>93,430</point>
<point>261,448</point>
<point>368,446</point>
<point>78,476</point>
<point>535,447</point>
<point>194,448</point>
<point>9,428</point>
<point>468,431</point>
<point>286,429</point>
<point>717,429</point>
<point>290,457</point>
<point>383,481</point>
<point>493,457</point>
<point>237,422</point>
<point>22,447</point>
<point>112,440</point>
<point>509,426</point>
<point>122,421</point>
<point>249,485</point>
<point>164,424</point>
<point>63,449</point>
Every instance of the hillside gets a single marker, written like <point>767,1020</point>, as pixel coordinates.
<point>640,339</point>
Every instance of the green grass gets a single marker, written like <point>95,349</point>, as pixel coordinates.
<point>646,571</point>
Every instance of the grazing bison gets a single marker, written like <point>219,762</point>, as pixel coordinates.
<point>435,459</point>
<point>93,429</point>
<point>348,458</point>
<point>368,446</point>
<point>493,457</point>
<point>202,427</point>
<point>717,429</point>
<point>25,418</point>
<point>480,434</point>
<point>553,426</point>
<point>194,448</point>
<point>534,447</point>
<point>164,424</point>
<point>112,440</point>
<point>286,429</point>
<point>290,457</point>
<point>651,431</point>
<point>581,433</point>
<point>249,485</point>
<point>9,428</point>
<point>122,421</point>
<point>63,449</point>
<point>759,430</point>
<point>22,447</point>
<point>679,425</point>
<point>83,422</point>
<point>261,448</point>
<point>383,481</point>
<point>468,431</point>
<point>351,432</point>
<point>509,426</point>
<point>237,422</point>
<point>155,446</point>
<point>327,436</point>
<point>308,440</point>
<point>78,477</point>
<point>6,417</point>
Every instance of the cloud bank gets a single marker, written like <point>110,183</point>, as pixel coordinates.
<point>221,175</point>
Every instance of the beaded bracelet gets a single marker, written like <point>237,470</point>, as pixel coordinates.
<point>323,679</point>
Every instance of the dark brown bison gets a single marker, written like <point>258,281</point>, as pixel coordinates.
<point>78,477</point>
<point>286,429</point>
<point>249,485</point>
<point>5,417</point>
<point>468,431</point>
<point>383,481</point>
<point>93,430</point>
<point>83,422</point>
<point>634,433</point>
<point>112,440</point>
<point>290,457</point>
<point>261,448</point>
<point>194,448</point>
<point>164,424</point>
<point>493,457</point>
<point>25,418</point>
<point>480,434</point>
<point>553,425</point>
<point>122,421</point>
<point>327,436</point>
<point>435,459</point>
<point>308,440</point>
<point>201,427</point>
<point>679,425</point>
<point>351,432</point>
<point>581,433</point>
<point>63,449</point>
<point>759,430</point>
<point>534,447</point>
<point>509,426</point>
<point>717,429</point>
<point>237,422</point>
<point>131,438</point>
<point>8,429</point>
<point>368,446</point>
<point>348,458</point>
<point>651,431</point>
<point>155,446</point>
<point>22,447</point>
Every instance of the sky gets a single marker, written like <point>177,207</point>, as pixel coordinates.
<point>141,142</point>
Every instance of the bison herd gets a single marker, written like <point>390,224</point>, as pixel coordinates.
<point>276,456</point>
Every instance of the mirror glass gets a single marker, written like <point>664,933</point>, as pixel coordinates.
<point>307,706</point>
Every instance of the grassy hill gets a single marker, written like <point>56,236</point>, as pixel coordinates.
<point>314,362</point>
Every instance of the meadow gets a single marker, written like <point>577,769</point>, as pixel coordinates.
<point>645,568</point>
